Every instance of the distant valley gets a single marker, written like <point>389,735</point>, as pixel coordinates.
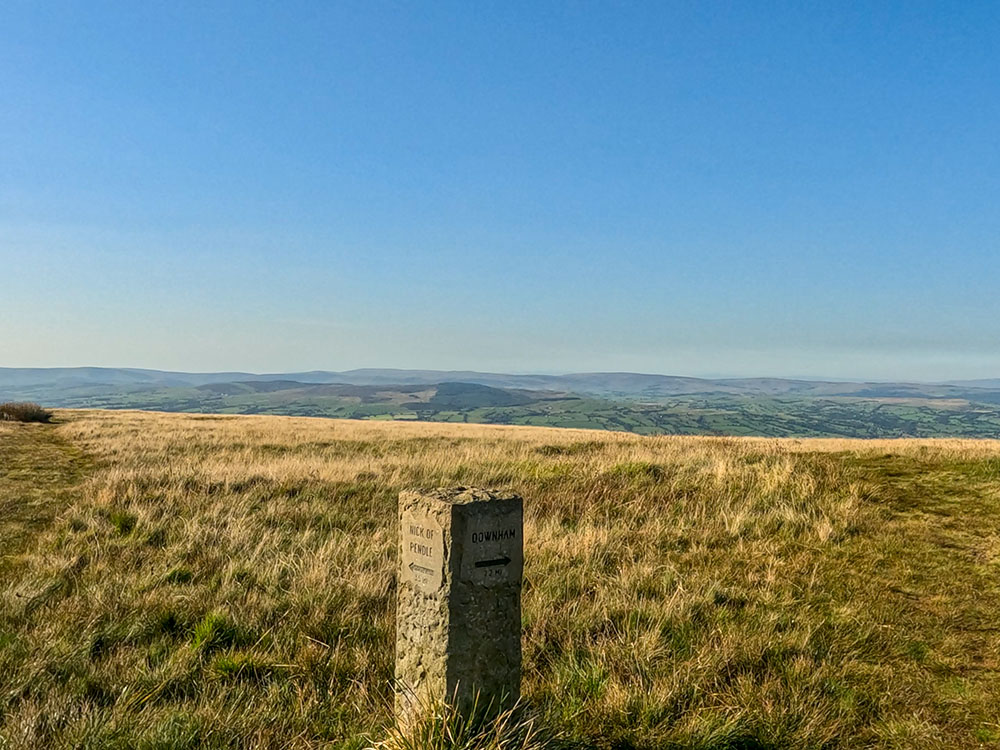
<point>640,403</point>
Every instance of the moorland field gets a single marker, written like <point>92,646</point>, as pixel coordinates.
<point>180,581</point>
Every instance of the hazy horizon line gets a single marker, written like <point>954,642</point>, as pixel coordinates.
<point>518,373</point>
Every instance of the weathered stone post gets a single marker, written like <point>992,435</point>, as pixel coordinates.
<point>458,613</point>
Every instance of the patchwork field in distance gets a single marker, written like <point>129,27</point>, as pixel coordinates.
<point>177,580</point>
<point>629,402</point>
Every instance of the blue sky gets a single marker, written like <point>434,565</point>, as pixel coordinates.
<point>686,188</point>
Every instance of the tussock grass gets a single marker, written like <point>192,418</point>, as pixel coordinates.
<point>229,582</point>
<point>440,726</point>
<point>24,411</point>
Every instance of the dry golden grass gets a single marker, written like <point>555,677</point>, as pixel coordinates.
<point>229,581</point>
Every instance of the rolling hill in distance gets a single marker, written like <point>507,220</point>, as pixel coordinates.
<point>631,402</point>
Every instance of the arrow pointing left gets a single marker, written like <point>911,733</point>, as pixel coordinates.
<point>420,569</point>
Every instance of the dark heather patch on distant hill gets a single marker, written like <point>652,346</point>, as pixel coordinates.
<point>268,386</point>
<point>471,396</point>
<point>983,397</point>
<point>368,394</point>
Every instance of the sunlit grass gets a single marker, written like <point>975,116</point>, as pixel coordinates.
<point>229,582</point>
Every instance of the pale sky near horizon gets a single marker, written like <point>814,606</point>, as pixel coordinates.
<point>798,189</point>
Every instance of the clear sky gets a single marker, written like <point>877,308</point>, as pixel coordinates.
<point>769,188</point>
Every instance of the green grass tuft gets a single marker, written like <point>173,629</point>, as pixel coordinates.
<point>122,521</point>
<point>241,665</point>
<point>179,576</point>
<point>217,631</point>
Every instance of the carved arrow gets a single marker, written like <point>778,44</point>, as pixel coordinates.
<point>491,563</point>
<point>414,568</point>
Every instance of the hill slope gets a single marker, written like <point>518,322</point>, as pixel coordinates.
<point>767,409</point>
<point>213,581</point>
<point>49,383</point>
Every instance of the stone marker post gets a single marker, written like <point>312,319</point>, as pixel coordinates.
<point>458,613</point>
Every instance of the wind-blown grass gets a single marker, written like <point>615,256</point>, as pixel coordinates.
<point>229,582</point>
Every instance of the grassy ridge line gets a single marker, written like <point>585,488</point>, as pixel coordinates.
<point>228,582</point>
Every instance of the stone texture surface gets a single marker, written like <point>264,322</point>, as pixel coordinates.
<point>458,618</point>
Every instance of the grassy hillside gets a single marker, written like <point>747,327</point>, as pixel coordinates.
<point>888,411</point>
<point>643,404</point>
<point>211,581</point>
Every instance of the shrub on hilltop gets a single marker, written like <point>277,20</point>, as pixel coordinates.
<point>16,411</point>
